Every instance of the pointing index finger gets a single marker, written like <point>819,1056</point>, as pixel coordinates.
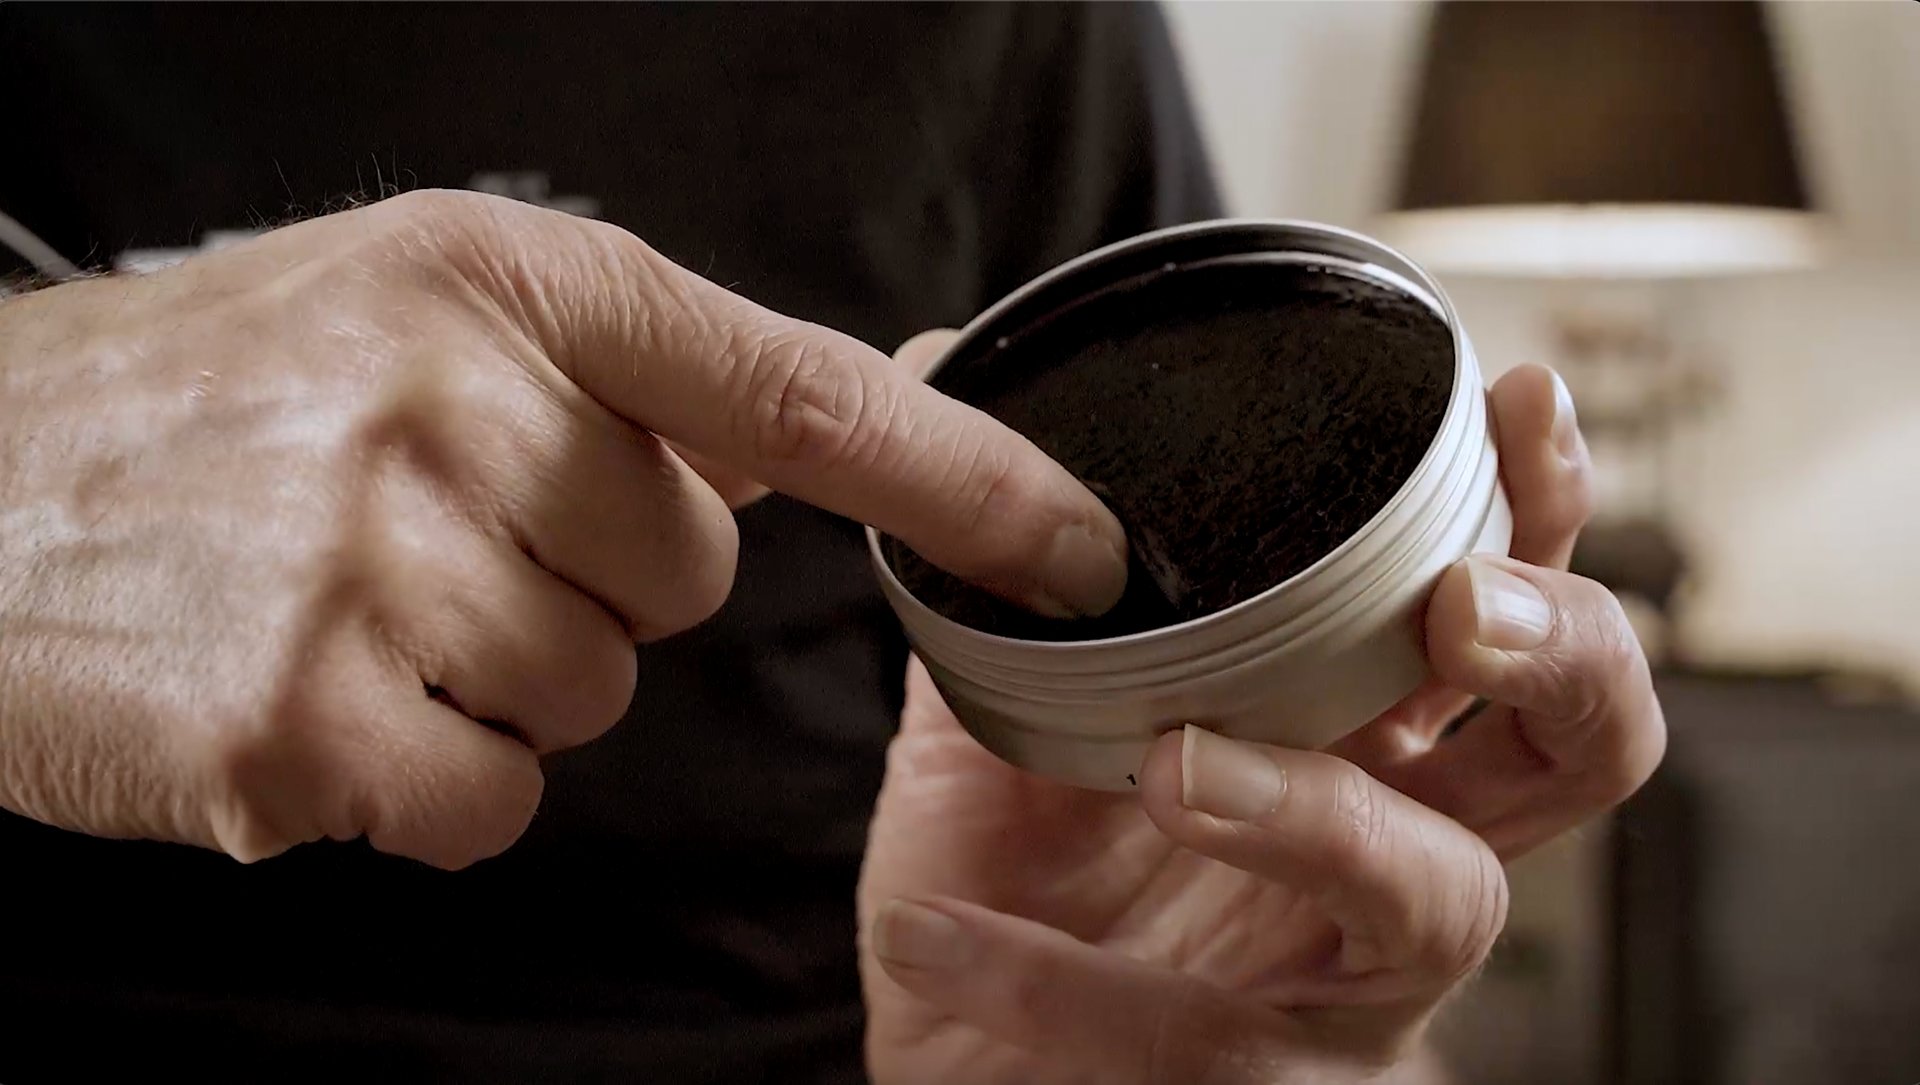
<point>818,415</point>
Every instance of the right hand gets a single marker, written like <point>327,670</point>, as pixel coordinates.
<point>1258,914</point>
<point>330,534</point>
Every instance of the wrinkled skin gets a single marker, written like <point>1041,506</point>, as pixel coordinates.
<point>331,533</point>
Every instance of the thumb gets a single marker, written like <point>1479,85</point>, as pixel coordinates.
<point>805,410</point>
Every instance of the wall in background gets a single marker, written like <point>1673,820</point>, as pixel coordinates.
<point>1801,496</point>
<point>1302,102</point>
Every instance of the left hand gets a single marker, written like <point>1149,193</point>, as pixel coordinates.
<point>1259,914</point>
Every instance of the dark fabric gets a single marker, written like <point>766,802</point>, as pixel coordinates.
<point>682,909</point>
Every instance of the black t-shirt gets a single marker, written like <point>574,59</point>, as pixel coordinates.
<point>682,907</point>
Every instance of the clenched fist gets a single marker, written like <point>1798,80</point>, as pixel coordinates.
<point>332,533</point>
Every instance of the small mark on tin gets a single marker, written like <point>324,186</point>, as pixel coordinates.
<point>1000,343</point>
<point>1131,780</point>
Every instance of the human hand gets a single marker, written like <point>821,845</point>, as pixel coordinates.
<point>1259,914</point>
<point>330,534</point>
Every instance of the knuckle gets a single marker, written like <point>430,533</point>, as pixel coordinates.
<point>1602,686</point>
<point>1593,656</point>
<point>248,755</point>
<point>449,224</point>
<point>1566,691</point>
<point>704,562</point>
<point>1579,501</point>
<point>462,246</point>
<point>453,809</point>
<point>256,768</point>
<point>434,210</point>
<point>605,682</point>
<point>806,407</point>
<point>993,490</point>
<point>710,579</point>
<point>1616,648</point>
<point>452,427</point>
<point>496,823</point>
<point>1006,516</point>
<point>240,763</point>
<point>514,800</point>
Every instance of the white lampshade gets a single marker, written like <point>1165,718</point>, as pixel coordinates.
<point>1605,241</point>
<point>1602,139</point>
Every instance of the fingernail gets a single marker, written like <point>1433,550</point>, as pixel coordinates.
<point>1566,426</point>
<point>1509,613</point>
<point>1227,779</point>
<point>1085,575</point>
<point>917,936</point>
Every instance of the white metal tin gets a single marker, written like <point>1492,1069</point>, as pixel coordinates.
<point>1300,664</point>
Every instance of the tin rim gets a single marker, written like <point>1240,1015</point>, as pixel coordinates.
<point>1362,258</point>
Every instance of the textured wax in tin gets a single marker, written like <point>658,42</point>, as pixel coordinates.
<point>1241,419</point>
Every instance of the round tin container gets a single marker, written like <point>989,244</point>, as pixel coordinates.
<point>1299,664</point>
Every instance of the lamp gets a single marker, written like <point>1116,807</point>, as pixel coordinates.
<point>1601,139</point>
<point>1608,140</point>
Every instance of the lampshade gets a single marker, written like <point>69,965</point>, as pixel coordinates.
<point>1605,138</point>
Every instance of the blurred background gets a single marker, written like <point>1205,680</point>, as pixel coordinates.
<point>1749,373</point>
<point>1707,216</point>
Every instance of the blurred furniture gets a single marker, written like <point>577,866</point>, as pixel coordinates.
<point>1767,891</point>
<point>1752,917</point>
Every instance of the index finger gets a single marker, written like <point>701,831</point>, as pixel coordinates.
<point>808,411</point>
